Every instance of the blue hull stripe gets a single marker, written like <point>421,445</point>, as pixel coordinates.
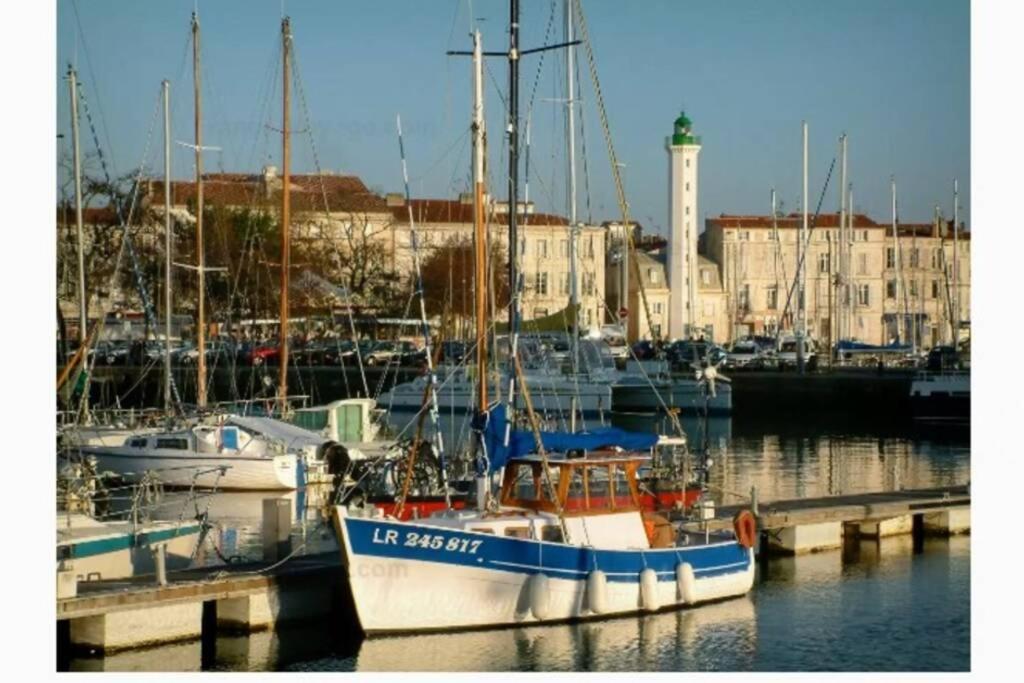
<point>109,544</point>
<point>386,539</point>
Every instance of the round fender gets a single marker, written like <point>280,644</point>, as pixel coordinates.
<point>686,583</point>
<point>540,596</point>
<point>597,592</point>
<point>649,590</point>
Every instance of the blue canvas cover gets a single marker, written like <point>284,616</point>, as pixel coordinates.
<point>522,442</point>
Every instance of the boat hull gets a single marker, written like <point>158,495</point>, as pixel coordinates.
<point>687,396</point>
<point>178,469</point>
<point>464,579</point>
<point>116,550</point>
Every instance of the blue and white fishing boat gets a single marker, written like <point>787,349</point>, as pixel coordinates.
<point>568,540</point>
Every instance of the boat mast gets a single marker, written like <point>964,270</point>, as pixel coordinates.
<point>168,392</point>
<point>900,321</point>
<point>956,264</point>
<point>479,234</point>
<point>844,301</point>
<point>570,102</point>
<point>480,244</point>
<point>285,210</point>
<point>801,324</point>
<point>513,171</point>
<point>200,250</point>
<point>82,301</point>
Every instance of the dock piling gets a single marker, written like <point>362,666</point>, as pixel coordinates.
<point>277,524</point>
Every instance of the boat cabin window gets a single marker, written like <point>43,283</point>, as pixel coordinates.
<point>137,443</point>
<point>584,485</point>
<point>552,534</point>
<point>177,444</point>
<point>517,531</point>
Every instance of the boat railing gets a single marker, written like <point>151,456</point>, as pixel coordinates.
<point>108,497</point>
<point>111,417</point>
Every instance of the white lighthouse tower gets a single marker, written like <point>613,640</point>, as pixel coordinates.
<point>684,153</point>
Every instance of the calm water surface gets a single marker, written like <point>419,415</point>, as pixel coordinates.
<point>887,606</point>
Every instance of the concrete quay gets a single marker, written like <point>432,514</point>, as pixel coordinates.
<point>794,527</point>
<point>108,616</point>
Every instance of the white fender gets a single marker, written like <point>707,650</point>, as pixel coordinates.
<point>649,590</point>
<point>540,596</point>
<point>597,592</point>
<point>686,583</point>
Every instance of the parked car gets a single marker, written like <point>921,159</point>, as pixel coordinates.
<point>748,354</point>
<point>384,352</point>
<point>942,359</point>
<point>787,353</point>
<point>453,351</point>
<point>683,353</point>
<point>110,352</point>
<point>615,337</point>
<point>645,350</point>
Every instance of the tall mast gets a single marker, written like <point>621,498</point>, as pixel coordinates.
<point>479,234</point>
<point>285,208</point>
<point>480,242</point>
<point>900,321</point>
<point>956,264</point>
<point>844,275</point>
<point>801,324</point>
<point>200,250</point>
<point>82,296</point>
<point>513,165</point>
<point>849,253</point>
<point>570,102</point>
<point>168,393</point>
<point>778,250</point>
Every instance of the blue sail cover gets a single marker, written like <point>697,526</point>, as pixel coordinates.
<point>850,346</point>
<point>522,442</point>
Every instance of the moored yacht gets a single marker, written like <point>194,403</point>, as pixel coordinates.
<point>230,452</point>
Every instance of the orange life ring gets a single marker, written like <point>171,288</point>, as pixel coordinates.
<point>745,527</point>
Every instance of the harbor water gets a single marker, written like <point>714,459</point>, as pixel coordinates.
<point>889,605</point>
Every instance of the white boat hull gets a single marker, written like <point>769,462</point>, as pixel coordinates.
<point>400,589</point>
<point>180,468</point>
<point>686,395</point>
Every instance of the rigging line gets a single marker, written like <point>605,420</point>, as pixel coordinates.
<point>613,159</point>
<point>803,249</point>
<point>92,77</point>
<point>297,74</point>
<point>583,144</point>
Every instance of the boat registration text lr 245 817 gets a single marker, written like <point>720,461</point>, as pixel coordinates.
<point>431,541</point>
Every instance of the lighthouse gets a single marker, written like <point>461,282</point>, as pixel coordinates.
<point>684,155</point>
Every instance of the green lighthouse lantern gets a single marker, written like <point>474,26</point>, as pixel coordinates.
<point>681,131</point>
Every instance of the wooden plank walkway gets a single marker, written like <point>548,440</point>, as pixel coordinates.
<point>857,507</point>
<point>197,585</point>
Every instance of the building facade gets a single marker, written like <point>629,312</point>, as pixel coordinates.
<point>543,250</point>
<point>915,303</point>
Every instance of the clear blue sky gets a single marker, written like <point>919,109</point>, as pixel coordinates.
<point>895,75</point>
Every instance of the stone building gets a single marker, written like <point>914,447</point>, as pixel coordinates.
<point>543,250</point>
<point>758,261</point>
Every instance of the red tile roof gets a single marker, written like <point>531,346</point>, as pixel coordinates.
<point>344,193</point>
<point>454,211</point>
<point>825,220</point>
